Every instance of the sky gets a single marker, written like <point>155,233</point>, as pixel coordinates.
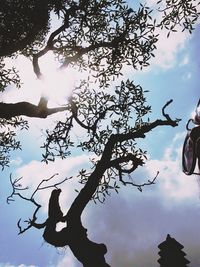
<point>132,223</point>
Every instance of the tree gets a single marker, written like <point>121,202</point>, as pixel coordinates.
<point>98,37</point>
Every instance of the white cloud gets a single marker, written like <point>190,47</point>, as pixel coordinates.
<point>184,61</point>
<point>168,48</point>
<point>35,171</point>
<point>173,184</point>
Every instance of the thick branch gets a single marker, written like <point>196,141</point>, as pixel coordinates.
<point>9,110</point>
<point>140,133</point>
<point>80,51</point>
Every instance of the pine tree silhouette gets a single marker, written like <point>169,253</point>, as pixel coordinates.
<point>171,254</point>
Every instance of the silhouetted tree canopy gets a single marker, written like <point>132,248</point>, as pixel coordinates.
<point>99,37</point>
<point>22,22</point>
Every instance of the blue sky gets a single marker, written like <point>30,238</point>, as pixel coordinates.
<point>131,223</point>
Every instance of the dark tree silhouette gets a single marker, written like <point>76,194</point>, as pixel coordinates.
<point>24,23</point>
<point>99,37</point>
<point>119,157</point>
<point>171,254</point>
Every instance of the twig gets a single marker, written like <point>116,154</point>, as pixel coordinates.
<point>17,187</point>
<point>56,184</point>
<point>139,186</point>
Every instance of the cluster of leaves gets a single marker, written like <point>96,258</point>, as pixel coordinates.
<point>99,36</point>
<point>8,77</point>
<point>100,114</point>
<point>103,35</point>
<point>8,140</point>
<point>179,12</point>
<point>58,141</point>
<point>122,111</point>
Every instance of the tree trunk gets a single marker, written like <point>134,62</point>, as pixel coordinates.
<point>74,235</point>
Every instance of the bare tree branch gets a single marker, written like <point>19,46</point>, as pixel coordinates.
<point>138,185</point>
<point>16,186</point>
<point>16,191</point>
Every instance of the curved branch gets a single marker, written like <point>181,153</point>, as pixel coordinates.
<point>74,110</point>
<point>163,110</point>
<point>100,116</point>
<point>129,157</point>
<point>50,42</point>
<point>45,50</point>
<point>140,133</point>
